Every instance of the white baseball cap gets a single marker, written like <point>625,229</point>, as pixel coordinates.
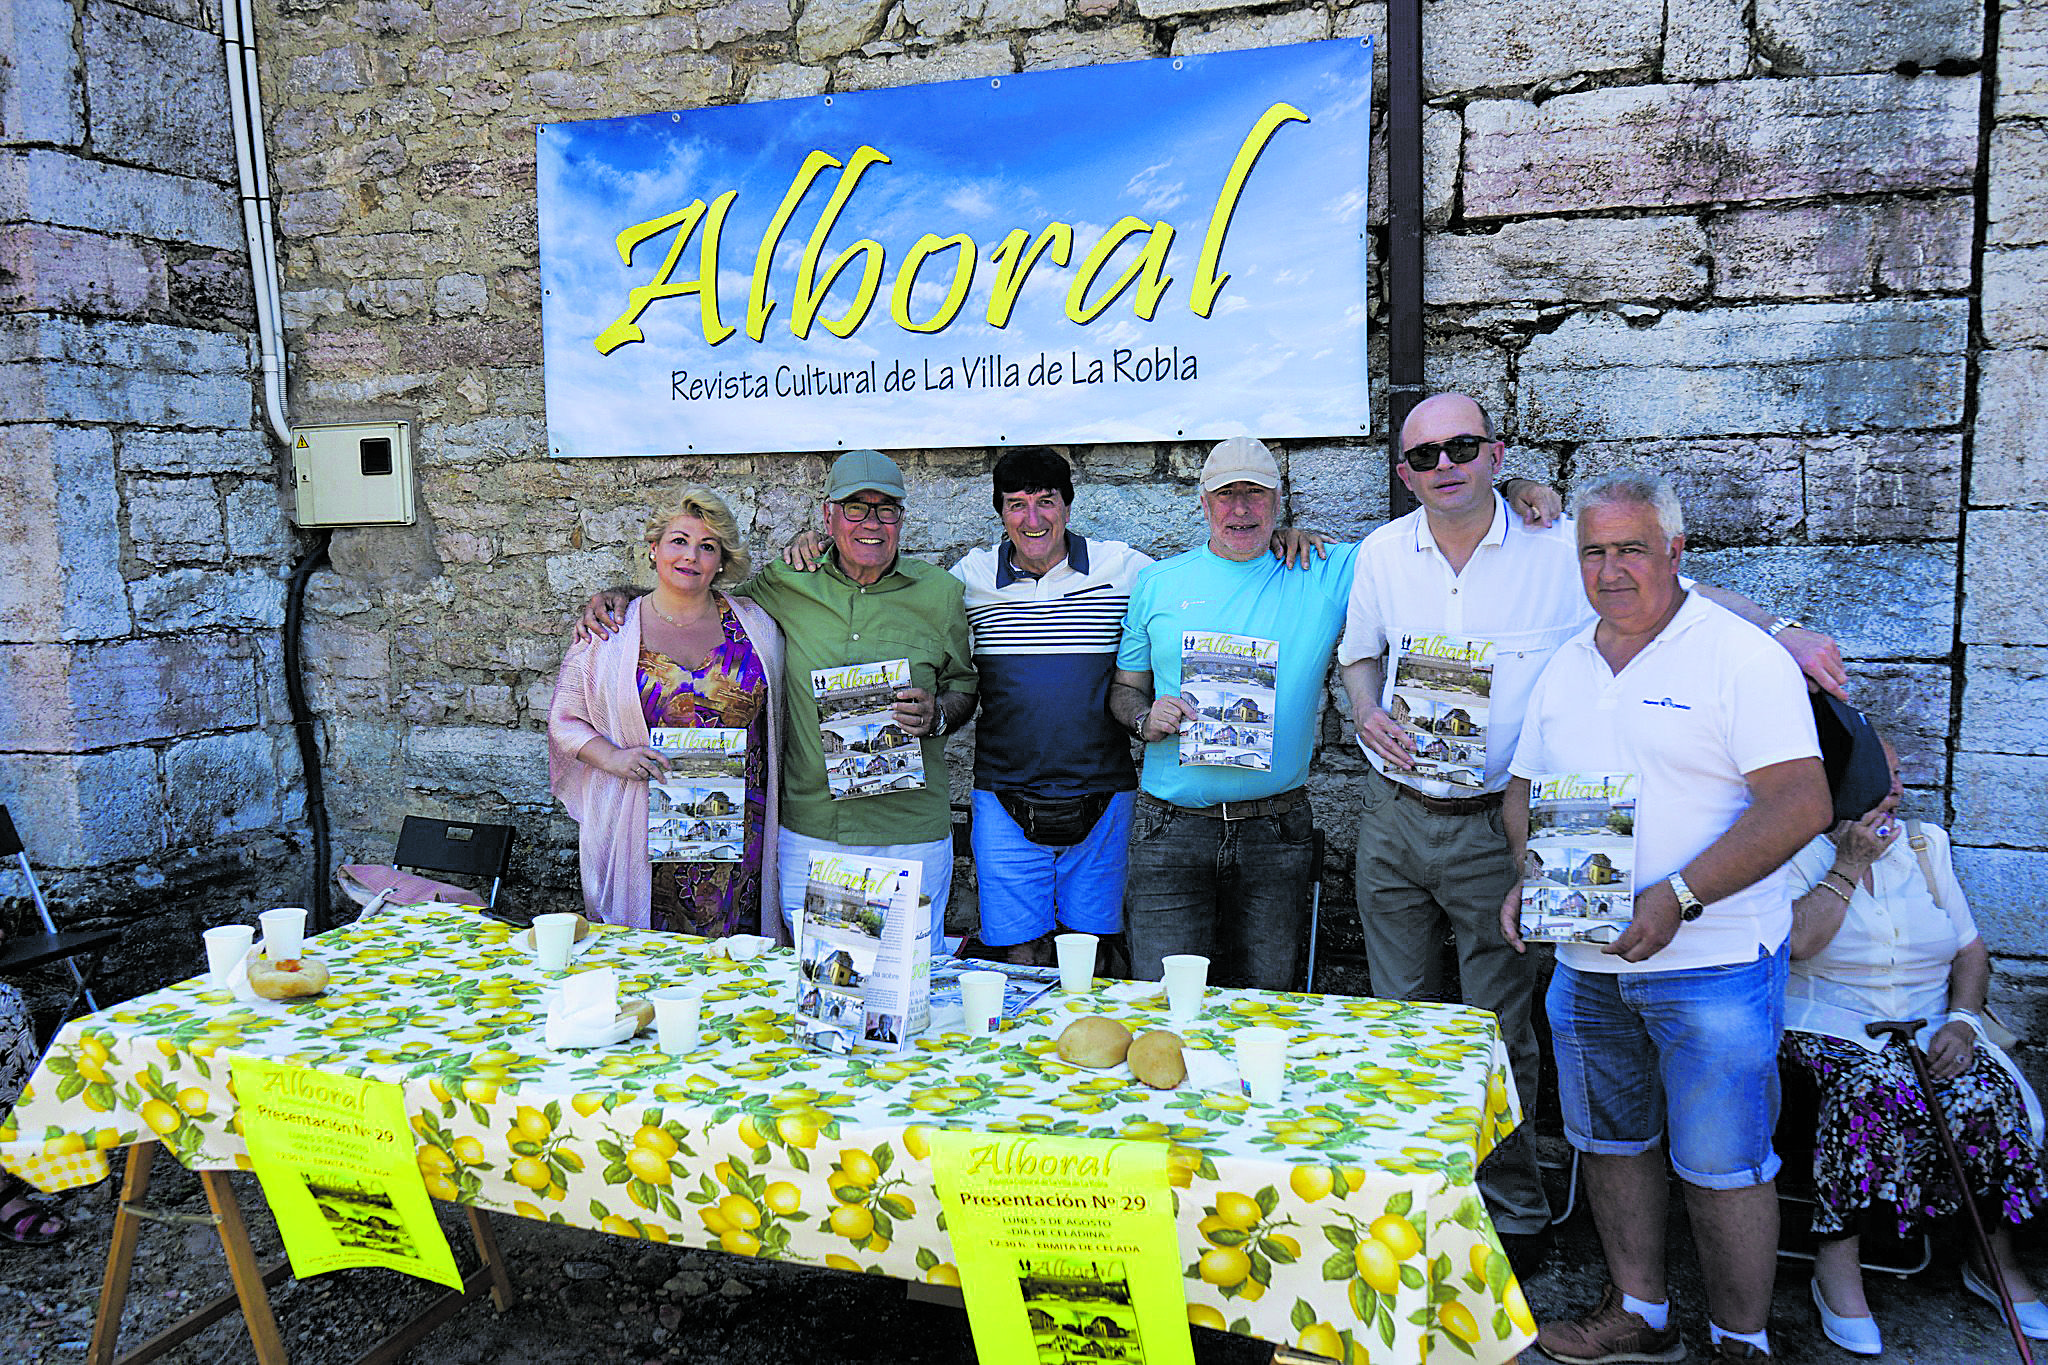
<point>1241,459</point>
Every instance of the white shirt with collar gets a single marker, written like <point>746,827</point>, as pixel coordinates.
<point>1520,589</point>
<point>1709,699</point>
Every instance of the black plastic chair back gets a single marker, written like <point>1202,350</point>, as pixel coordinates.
<point>464,848</point>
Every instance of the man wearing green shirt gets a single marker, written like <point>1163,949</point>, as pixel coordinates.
<point>866,605</point>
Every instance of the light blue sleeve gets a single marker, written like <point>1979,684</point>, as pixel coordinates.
<point>1134,650</point>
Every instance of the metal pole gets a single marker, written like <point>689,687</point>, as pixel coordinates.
<point>1404,232</point>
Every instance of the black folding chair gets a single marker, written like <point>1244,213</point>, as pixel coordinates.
<point>460,847</point>
<point>28,951</point>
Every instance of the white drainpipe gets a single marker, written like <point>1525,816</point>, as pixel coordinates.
<point>252,167</point>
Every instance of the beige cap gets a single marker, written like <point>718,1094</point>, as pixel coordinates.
<point>1241,459</point>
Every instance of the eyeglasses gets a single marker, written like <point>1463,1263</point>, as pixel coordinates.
<point>888,513</point>
<point>1462,450</point>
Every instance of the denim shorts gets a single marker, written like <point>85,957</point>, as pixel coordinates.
<point>1694,1051</point>
<point>1031,889</point>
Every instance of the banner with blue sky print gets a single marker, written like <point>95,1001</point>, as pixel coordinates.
<point>1162,250</point>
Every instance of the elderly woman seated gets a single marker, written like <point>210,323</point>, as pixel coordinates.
<point>1880,931</point>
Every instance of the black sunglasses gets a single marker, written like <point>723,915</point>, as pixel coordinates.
<point>1461,449</point>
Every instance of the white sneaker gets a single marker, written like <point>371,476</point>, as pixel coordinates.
<point>1858,1334</point>
<point>2033,1314</point>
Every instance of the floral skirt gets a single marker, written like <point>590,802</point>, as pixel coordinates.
<point>1875,1142</point>
<point>18,1050</point>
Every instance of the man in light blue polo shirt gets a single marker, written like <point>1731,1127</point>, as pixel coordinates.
<point>1221,853</point>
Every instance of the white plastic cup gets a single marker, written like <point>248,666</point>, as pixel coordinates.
<point>981,999</point>
<point>1186,979</point>
<point>1261,1063</point>
<point>553,936</point>
<point>284,933</point>
<point>678,1018</point>
<point>226,946</point>
<point>1077,962</point>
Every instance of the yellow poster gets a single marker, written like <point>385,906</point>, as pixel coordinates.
<point>1066,1249</point>
<point>335,1157</point>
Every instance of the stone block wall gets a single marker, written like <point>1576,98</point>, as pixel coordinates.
<point>144,753</point>
<point>1793,253</point>
<point>2000,774</point>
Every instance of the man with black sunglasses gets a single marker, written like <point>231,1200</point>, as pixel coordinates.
<point>1454,610</point>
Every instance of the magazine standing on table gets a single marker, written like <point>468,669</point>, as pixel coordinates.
<point>1230,680</point>
<point>697,812</point>
<point>867,751</point>
<point>1439,692</point>
<point>1579,874</point>
<point>864,954</point>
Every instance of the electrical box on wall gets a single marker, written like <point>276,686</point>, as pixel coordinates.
<point>353,474</point>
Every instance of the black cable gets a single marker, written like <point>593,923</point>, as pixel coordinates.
<point>302,719</point>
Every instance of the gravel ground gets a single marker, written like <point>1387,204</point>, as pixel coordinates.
<point>586,1297</point>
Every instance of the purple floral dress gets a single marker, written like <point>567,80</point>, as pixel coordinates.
<point>1875,1142</point>
<point>729,690</point>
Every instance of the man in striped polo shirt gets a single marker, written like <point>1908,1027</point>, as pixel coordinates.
<point>1053,778</point>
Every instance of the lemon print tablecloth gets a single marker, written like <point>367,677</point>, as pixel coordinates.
<point>1344,1220</point>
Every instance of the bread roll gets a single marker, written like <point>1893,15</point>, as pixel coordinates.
<point>640,1011</point>
<point>286,980</point>
<point>1095,1042</point>
<point>1156,1060</point>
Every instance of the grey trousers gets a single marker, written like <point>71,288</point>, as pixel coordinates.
<point>1416,871</point>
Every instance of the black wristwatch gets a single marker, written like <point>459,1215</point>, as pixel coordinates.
<point>1690,907</point>
<point>1138,723</point>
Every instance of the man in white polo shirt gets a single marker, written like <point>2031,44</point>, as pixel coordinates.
<point>1475,600</point>
<point>1670,1033</point>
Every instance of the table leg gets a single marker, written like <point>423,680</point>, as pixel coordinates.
<point>246,1275</point>
<point>106,1328</point>
<point>493,1262</point>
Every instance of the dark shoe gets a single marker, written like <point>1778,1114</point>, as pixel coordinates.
<point>26,1223</point>
<point>1609,1335</point>
<point>1731,1349</point>
<point>1528,1252</point>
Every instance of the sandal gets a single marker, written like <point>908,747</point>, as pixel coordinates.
<point>25,1222</point>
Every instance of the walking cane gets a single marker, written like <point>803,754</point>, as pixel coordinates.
<point>1906,1029</point>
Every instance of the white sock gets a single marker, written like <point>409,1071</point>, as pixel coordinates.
<point>1657,1315</point>
<point>1760,1340</point>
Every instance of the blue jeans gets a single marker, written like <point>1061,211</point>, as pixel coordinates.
<point>1235,891</point>
<point>1030,889</point>
<point>1692,1051</point>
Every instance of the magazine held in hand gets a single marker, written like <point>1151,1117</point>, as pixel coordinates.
<point>697,812</point>
<point>1229,680</point>
<point>1578,876</point>
<point>1441,691</point>
<point>867,752</point>
<point>864,954</point>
